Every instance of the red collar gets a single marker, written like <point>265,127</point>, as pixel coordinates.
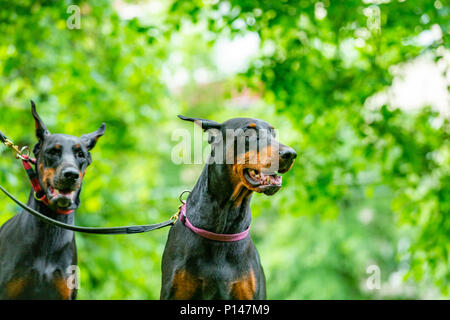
<point>39,193</point>
<point>211,235</point>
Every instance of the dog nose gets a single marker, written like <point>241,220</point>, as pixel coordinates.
<point>288,154</point>
<point>71,174</point>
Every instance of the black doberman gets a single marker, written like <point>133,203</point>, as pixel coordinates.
<point>35,257</point>
<point>194,267</point>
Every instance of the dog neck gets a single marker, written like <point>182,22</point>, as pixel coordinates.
<point>48,238</point>
<point>216,205</point>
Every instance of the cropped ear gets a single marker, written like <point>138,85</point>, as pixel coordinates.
<point>90,139</point>
<point>203,123</point>
<point>41,129</point>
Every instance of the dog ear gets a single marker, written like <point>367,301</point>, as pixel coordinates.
<point>202,123</point>
<point>209,126</point>
<point>41,129</point>
<point>90,139</point>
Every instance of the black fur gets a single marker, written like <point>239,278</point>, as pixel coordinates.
<point>34,256</point>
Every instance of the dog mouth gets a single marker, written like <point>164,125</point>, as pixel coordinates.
<point>266,182</point>
<point>62,198</point>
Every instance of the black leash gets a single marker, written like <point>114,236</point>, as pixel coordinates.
<point>93,230</point>
<point>3,138</point>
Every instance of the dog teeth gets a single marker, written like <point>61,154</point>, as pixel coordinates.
<point>253,174</point>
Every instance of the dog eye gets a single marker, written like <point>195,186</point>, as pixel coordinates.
<point>54,152</point>
<point>80,154</point>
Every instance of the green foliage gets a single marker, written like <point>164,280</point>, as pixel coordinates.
<point>371,186</point>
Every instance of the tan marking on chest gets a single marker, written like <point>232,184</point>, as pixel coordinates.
<point>62,288</point>
<point>15,287</point>
<point>184,285</point>
<point>245,287</point>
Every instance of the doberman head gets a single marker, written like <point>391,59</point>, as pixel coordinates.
<point>61,163</point>
<point>245,152</point>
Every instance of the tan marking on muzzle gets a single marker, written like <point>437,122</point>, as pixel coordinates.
<point>258,160</point>
<point>241,185</point>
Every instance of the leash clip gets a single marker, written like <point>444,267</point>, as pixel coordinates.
<point>181,196</point>
<point>175,217</point>
<point>23,153</point>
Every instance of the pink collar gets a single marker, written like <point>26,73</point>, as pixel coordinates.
<point>211,235</point>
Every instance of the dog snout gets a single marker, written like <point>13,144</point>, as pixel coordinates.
<point>288,154</point>
<point>71,174</point>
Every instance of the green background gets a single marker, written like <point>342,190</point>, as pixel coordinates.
<point>370,185</point>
